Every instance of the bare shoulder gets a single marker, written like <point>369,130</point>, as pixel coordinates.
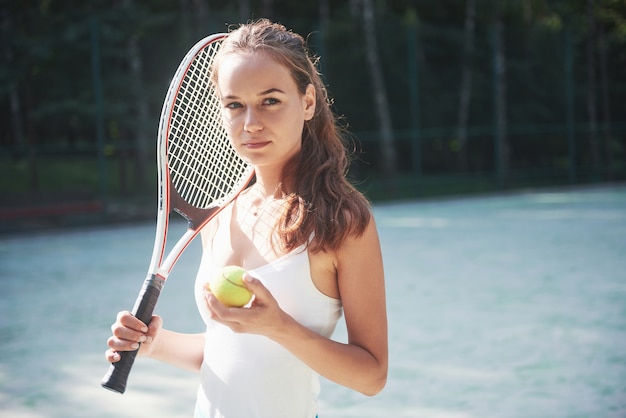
<point>360,246</point>
<point>361,282</point>
<point>358,255</point>
<point>360,273</point>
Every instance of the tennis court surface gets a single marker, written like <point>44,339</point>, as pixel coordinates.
<point>501,306</point>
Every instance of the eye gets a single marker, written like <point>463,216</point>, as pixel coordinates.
<point>270,101</point>
<point>233,105</point>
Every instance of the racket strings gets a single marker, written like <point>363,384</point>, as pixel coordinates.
<point>204,167</point>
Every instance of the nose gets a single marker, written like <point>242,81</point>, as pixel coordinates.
<point>252,122</point>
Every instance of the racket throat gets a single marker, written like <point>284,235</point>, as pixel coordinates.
<point>195,216</point>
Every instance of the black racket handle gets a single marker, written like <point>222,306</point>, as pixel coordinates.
<point>118,372</point>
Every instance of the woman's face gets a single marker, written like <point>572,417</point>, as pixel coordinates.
<point>262,109</point>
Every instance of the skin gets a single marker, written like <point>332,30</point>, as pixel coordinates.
<point>264,115</point>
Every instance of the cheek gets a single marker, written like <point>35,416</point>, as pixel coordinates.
<point>228,122</point>
<point>297,128</point>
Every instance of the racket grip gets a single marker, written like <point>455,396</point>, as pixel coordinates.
<point>118,372</point>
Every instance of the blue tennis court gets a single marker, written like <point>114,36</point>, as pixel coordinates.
<point>501,306</point>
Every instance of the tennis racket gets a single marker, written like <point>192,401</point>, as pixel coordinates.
<point>198,174</point>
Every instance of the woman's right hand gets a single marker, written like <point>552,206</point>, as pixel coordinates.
<point>129,333</point>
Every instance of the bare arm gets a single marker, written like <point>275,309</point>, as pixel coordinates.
<point>181,350</point>
<point>185,351</point>
<point>362,363</point>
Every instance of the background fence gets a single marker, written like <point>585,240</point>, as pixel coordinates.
<point>82,92</point>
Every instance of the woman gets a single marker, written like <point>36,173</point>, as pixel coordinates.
<point>305,236</point>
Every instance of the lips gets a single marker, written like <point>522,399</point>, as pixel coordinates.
<point>254,144</point>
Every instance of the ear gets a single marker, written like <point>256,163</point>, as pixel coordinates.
<point>309,102</point>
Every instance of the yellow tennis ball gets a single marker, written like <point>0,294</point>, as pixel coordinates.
<point>228,287</point>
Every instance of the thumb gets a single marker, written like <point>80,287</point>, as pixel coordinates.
<point>155,325</point>
<point>147,346</point>
<point>255,286</point>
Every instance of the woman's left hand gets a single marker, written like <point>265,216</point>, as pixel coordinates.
<point>263,317</point>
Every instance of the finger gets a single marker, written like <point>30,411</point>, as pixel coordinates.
<point>223,314</point>
<point>128,334</point>
<point>261,293</point>
<point>252,284</point>
<point>156,323</point>
<point>112,356</point>
<point>130,321</point>
<point>229,317</point>
<point>118,344</point>
<point>216,308</point>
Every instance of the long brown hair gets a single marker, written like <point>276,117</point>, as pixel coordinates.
<point>322,203</point>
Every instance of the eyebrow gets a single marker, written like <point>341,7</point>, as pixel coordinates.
<point>270,91</point>
<point>263,93</point>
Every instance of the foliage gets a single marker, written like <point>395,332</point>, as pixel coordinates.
<point>47,101</point>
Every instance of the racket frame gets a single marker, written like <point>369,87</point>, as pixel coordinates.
<point>169,200</point>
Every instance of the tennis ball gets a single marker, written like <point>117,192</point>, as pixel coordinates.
<point>228,287</point>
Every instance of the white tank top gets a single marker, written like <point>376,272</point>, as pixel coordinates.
<point>251,376</point>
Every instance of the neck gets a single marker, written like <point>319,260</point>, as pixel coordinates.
<point>263,193</point>
<point>269,183</point>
